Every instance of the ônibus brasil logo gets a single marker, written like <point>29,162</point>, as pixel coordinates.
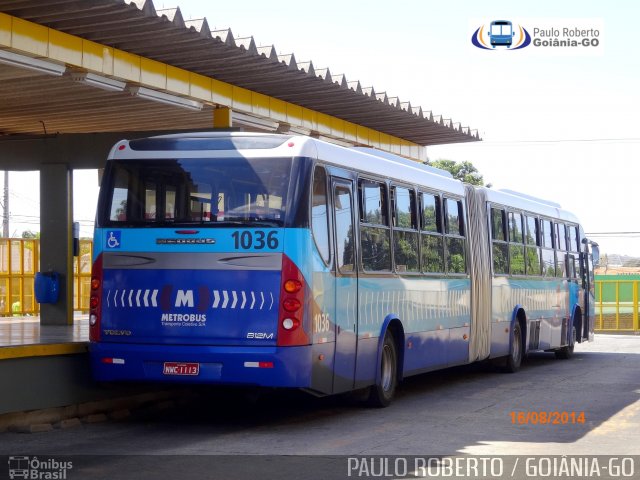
<point>501,33</point>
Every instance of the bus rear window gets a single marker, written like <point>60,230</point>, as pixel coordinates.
<point>200,191</point>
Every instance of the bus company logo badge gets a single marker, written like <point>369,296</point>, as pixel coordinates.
<point>114,239</point>
<point>32,467</point>
<point>501,33</point>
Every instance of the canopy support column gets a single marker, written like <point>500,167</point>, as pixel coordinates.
<point>56,239</point>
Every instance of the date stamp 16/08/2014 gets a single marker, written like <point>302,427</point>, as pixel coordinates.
<point>553,417</point>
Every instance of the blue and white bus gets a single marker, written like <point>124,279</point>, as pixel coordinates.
<point>286,261</point>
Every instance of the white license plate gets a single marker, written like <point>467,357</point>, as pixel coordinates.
<point>179,368</point>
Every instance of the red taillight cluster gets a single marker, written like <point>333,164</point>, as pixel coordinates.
<point>292,301</point>
<point>94,300</point>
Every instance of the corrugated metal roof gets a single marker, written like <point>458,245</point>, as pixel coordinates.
<point>163,34</point>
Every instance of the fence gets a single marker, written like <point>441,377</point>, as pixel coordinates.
<point>617,302</point>
<point>616,296</point>
<point>19,262</point>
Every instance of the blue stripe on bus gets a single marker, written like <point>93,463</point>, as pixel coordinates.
<point>253,240</point>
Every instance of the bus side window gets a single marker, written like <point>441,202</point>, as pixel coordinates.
<point>498,230</point>
<point>405,232</point>
<point>573,239</point>
<point>561,254</point>
<point>547,234</point>
<point>548,253</point>
<point>345,257</point>
<point>432,239</point>
<point>373,205</point>
<point>454,236</point>
<point>571,266</point>
<point>319,213</point>
<point>533,232</point>
<point>500,248</point>
<point>374,229</point>
<point>532,249</point>
<point>516,244</point>
<point>454,217</point>
<point>562,236</point>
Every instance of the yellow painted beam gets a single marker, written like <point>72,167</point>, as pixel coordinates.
<point>222,117</point>
<point>44,350</point>
<point>43,42</point>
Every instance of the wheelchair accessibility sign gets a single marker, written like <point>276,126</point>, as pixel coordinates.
<point>113,239</point>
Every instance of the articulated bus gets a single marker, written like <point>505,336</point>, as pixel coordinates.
<point>285,261</point>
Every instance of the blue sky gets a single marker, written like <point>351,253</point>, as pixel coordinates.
<point>525,104</point>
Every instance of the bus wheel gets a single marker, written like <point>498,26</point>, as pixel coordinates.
<point>381,394</point>
<point>514,359</point>
<point>566,352</point>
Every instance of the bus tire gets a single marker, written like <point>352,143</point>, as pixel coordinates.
<point>566,352</point>
<point>514,359</point>
<point>381,394</point>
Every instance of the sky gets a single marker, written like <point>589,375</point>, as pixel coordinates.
<point>555,125</point>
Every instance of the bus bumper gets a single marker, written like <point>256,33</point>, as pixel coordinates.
<point>261,366</point>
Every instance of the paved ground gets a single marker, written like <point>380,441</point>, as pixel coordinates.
<point>459,411</point>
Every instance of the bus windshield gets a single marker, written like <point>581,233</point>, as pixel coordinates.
<point>207,192</point>
<point>501,29</point>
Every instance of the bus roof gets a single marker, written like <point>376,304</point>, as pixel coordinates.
<point>247,144</point>
<point>364,160</point>
<point>521,201</point>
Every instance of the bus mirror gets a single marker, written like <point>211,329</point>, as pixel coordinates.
<point>595,252</point>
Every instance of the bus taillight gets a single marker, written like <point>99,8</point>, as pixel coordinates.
<point>94,300</point>
<point>291,329</point>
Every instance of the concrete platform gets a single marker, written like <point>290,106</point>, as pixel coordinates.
<point>22,337</point>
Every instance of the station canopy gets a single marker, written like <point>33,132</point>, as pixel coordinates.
<point>32,102</point>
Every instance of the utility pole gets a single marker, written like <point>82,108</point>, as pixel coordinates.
<point>5,206</point>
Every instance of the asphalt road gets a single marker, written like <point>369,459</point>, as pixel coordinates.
<point>588,405</point>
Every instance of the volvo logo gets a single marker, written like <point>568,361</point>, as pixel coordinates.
<point>185,241</point>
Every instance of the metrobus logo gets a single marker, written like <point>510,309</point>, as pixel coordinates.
<point>501,33</point>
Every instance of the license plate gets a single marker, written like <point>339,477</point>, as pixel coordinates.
<point>178,368</point>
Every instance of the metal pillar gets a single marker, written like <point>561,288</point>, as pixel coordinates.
<point>5,206</point>
<point>56,239</point>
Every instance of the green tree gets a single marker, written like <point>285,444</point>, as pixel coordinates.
<point>28,234</point>
<point>463,171</point>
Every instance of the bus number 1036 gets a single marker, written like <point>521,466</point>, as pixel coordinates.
<point>259,239</point>
<point>321,323</point>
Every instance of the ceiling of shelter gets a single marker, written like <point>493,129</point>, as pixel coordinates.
<point>41,104</point>
<point>32,103</point>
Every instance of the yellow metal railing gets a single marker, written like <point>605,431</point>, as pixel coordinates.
<point>19,262</point>
<point>617,305</point>
<point>82,276</point>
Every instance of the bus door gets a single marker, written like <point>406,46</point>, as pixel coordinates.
<point>588,284</point>
<point>346,293</point>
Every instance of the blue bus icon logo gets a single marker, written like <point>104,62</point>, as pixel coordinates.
<point>113,239</point>
<point>501,33</point>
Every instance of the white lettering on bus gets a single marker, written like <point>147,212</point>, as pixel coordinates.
<point>178,317</point>
<point>184,298</point>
